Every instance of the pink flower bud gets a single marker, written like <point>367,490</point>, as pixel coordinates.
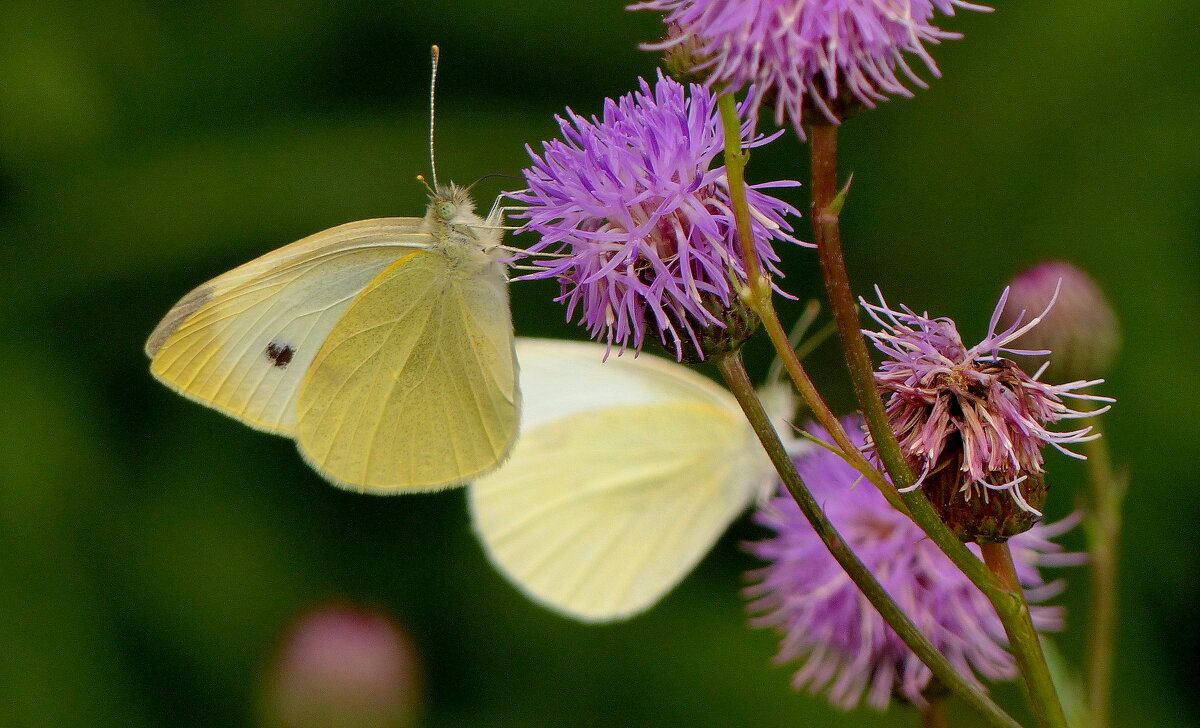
<point>1080,330</point>
<point>343,667</point>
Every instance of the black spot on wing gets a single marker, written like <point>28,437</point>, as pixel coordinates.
<point>280,354</point>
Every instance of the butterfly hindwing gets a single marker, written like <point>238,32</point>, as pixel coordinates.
<point>625,474</point>
<point>415,388</point>
<point>242,342</point>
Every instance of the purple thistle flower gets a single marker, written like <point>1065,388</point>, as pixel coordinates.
<point>808,51</point>
<point>846,648</point>
<point>637,223</point>
<point>971,421</point>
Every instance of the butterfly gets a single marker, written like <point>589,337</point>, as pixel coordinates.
<point>626,473</point>
<point>384,347</point>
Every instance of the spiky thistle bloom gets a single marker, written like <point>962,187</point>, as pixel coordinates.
<point>636,221</point>
<point>846,649</point>
<point>1081,329</point>
<point>969,420</point>
<point>828,54</point>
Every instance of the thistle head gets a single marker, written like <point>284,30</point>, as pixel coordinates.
<point>637,225</point>
<point>831,57</point>
<point>971,423</point>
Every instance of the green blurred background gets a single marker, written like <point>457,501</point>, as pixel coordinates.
<point>151,550</point>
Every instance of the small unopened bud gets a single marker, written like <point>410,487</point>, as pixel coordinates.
<point>343,667</point>
<point>1080,330</point>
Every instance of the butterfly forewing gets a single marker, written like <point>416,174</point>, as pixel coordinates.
<point>415,387</point>
<point>242,342</point>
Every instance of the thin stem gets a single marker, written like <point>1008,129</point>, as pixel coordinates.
<point>1026,645</point>
<point>826,209</point>
<point>808,391</point>
<point>827,229</point>
<point>759,297</point>
<point>734,372</point>
<point>1104,532</point>
<point>736,158</point>
<point>1009,606</point>
<point>934,715</point>
<point>1006,596</point>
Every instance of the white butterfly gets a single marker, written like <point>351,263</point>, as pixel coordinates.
<point>625,474</point>
<point>384,347</point>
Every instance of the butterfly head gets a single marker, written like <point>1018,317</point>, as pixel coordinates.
<point>451,205</point>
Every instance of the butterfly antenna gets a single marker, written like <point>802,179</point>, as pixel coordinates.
<point>492,175</point>
<point>422,180</point>
<point>432,88</point>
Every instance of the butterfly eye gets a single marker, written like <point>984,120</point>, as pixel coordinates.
<point>446,211</point>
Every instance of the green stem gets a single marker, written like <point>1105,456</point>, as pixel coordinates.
<point>1026,645</point>
<point>759,297</point>
<point>1006,596</point>
<point>736,158</point>
<point>1104,532</point>
<point>826,210</point>
<point>934,715</point>
<point>734,372</point>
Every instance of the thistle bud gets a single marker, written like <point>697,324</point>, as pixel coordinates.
<point>1080,329</point>
<point>343,667</point>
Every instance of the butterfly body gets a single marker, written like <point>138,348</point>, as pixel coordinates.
<point>384,347</point>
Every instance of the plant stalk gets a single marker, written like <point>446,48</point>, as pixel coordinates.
<point>1006,596</point>
<point>1026,645</point>
<point>759,297</point>
<point>734,372</point>
<point>934,715</point>
<point>1107,493</point>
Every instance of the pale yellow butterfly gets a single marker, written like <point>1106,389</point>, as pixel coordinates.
<point>384,347</point>
<point>626,473</point>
